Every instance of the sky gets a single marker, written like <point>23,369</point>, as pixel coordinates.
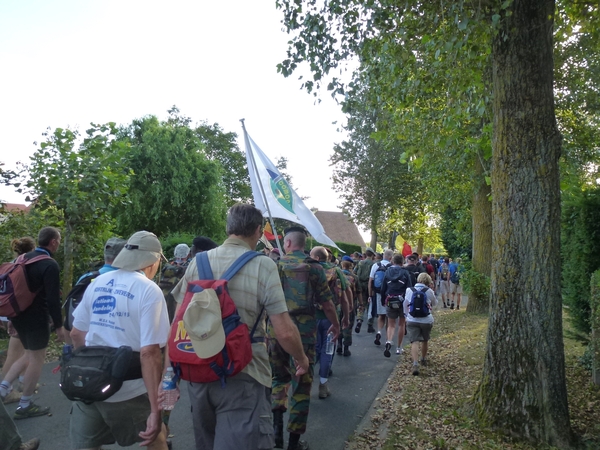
<point>69,63</point>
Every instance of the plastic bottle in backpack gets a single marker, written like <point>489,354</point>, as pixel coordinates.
<point>330,344</point>
<point>67,352</point>
<point>169,388</point>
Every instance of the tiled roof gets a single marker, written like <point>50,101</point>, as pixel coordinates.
<point>339,227</point>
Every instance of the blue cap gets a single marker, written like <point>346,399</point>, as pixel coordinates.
<point>347,258</point>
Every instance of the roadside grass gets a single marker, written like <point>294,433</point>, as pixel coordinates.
<point>434,410</point>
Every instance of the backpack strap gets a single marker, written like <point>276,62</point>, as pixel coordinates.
<point>204,270</point>
<point>238,264</point>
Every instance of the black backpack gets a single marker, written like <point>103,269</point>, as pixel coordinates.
<point>75,295</point>
<point>418,306</point>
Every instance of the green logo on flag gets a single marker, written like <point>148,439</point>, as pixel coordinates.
<point>282,191</point>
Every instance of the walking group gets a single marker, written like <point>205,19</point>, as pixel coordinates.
<point>242,329</point>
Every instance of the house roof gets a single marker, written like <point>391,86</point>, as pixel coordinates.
<point>339,227</point>
<point>15,207</point>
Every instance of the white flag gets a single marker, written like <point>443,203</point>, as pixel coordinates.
<point>281,200</point>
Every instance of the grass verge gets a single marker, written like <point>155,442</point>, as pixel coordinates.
<point>433,410</point>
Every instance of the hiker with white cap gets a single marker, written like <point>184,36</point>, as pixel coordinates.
<point>125,308</point>
<point>235,412</point>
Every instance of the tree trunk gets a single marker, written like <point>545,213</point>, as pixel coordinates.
<point>420,246</point>
<point>373,243</point>
<point>68,260</point>
<point>522,391</point>
<point>479,299</point>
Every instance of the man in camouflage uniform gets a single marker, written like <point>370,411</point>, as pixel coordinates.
<point>304,285</point>
<point>363,269</point>
<point>171,274</point>
<point>352,294</point>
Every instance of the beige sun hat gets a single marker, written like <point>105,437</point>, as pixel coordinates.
<point>203,323</point>
<point>142,250</point>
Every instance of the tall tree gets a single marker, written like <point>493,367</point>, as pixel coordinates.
<point>174,187</point>
<point>83,182</point>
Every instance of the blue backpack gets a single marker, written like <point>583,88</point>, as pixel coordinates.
<point>418,306</point>
<point>379,275</point>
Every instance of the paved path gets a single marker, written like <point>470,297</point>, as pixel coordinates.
<point>355,383</point>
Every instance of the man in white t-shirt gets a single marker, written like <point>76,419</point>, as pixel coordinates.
<point>125,307</point>
<point>375,292</point>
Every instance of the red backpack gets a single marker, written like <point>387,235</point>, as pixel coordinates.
<point>237,352</point>
<point>15,295</point>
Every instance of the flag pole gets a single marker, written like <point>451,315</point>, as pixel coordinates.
<point>262,190</point>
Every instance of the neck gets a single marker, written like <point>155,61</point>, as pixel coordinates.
<point>250,240</point>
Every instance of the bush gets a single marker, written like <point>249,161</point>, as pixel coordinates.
<point>580,244</point>
<point>170,241</point>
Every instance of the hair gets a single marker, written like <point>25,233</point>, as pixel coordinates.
<point>46,235</point>
<point>321,253</point>
<point>398,259</point>
<point>202,244</point>
<point>243,219</point>
<point>424,278</point>
<point>22,245</point>
<point>297,239</point>
<point>424,258</point>
<point>446,260</point>
<point>458,260</point>
<point>387,255</point>
<point>347,265</point>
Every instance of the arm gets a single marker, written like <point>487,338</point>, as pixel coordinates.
<point>288,336</point>
<point>151,359</point>
<point>331,314</point>
<point>78,337</point>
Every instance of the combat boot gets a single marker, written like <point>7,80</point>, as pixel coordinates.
<point>296,444</point>
<point>278,428</point>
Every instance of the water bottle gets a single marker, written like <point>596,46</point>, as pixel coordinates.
<point>67,350</point>
<point>169,388</point>
<point>330,344</point>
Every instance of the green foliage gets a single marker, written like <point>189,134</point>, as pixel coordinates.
<point>174,186</point>
<point>349,248</point>
<point>580,251</point>
<point>170,241</point>
<point>456,232</point>
<point>477,285</point>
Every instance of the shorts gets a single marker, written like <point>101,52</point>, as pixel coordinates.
<point>455,288</point>
<point>34,333</point>
<point>103,423</point>
<point>381,309</point>
<point>394,313</point>
<point>444,288</point>
<point>418,331</point>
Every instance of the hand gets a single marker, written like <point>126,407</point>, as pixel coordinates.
<point>335,329</point>
<point>161,394</point>
<point>153,428</point>
<point>10,328</point>
<point>301,365</point>
<point>61,334</point>
<point>345,322</point>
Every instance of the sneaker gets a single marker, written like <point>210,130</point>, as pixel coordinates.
<point>444,304</point>
<point>399,350</point>
<point>452,306</point>
<point>386,352</point>
<point>378,338</point>
<point>31,444</point>
<point>301,445</point>
<point>370,329</point>
<point>12,397</point>
<point>423,362</point>
<point>415,370</point>
<point>339,350</point>
<point>324,390</point>
<point>457,307</point>
<point>358,325</point>
<point>346,351</point>
<point>32,410</point>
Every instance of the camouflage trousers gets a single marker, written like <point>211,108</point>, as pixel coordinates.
<point>345,337</point>
<point>283,367</point>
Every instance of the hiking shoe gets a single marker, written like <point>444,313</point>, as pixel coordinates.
<point>386,352</point>
<point>399,350</point>
<point>452,306</point>
<point>32,410</point>
<point>415,370</point>
<point>339,350</point>
<point>358,325</point>
<point>301,445</point>
<point>457,307</point>
<point>423,361</point>
<point>31,444</point>
<point>347,350</point>
<point>324,390</point>
<point>378,338</point>
<point>12,397</point>
<point>370,329</point>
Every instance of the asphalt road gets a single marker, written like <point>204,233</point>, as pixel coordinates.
<point>355,383</point>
